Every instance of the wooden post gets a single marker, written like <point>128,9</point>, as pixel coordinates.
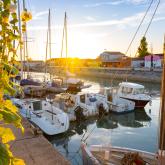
<point>162,116</point>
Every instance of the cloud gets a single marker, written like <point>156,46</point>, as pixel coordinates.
<point>40,14</point>
<point>130,21</point>
<point>89,18</point>
<point>116,2</point>
<point>104,3</point>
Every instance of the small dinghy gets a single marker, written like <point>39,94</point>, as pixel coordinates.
<point>50,119</point>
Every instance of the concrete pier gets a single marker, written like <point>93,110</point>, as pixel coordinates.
<point>35,149</point>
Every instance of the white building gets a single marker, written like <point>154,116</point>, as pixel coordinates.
<point>108,56</point>
<point>154,61</point>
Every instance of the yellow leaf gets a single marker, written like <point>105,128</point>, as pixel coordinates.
<point>9,105</point>
<point>6,135</point>
<point>18,162</point>
<point>26,16</point>
<point>1,117</point>
<point>5,19</point>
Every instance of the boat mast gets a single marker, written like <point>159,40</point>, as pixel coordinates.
<point>65,35</point>
<point>49,31</point>
<point>48,42</point>
<point>20,33</point>
<point>162,116</point>
<point>25,42</point>
<point>66,38</point>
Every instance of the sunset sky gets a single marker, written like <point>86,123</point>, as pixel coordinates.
<point>93,26</point>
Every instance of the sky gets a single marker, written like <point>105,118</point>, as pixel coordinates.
<point>93,26</point>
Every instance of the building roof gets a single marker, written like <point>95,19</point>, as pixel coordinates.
<point>159,54</point>
<point>113,53</point>
<point>137,58</point>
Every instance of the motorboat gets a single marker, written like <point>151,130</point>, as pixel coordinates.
<point>116,104</point>
<point>68,84</point>
<point>102,155</point>
<point>74,84</point>
<point>50,119</point>
<point>30,81</point>
<point>32,88</point>
<point>81,104</point>
<point>134,92</point>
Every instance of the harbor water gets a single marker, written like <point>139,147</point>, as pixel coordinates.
<point>138,129</point>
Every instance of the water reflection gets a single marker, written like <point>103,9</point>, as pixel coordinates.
<point>137,129</point>
<point>136,119</point>
<point>69,143</point>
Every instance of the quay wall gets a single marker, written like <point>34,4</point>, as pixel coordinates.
<point>133,74</point>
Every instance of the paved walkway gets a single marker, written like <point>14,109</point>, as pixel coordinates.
<point>35,149</point>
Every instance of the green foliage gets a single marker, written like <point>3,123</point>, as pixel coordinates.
<point>143,50</point>
<point>9,33</point>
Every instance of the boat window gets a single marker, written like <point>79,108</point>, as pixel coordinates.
<point>82,98</point>
<point>37,106</point>
<point>18,106</point>
<point>127,90</point>
<point>139,91</point>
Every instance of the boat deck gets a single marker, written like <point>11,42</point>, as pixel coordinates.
<point>116,157</point>
<point>35,149</point>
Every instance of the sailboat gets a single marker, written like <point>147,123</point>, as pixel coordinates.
<point>72,84</point>
<point>112,155</point>
<point>50,119</point>
<point>35,87</point>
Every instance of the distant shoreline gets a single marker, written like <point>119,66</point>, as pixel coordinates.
<point>138,74</point>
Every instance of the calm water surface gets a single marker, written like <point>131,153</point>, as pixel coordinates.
<point>138,129</point>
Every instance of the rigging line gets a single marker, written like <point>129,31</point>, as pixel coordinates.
<point>152,18</point>
<point>149,25</point>
<point>139,26</point>
<point>92,129</point>
<point>77,152</point>
<point>135,36</point>
<point>150,22</point>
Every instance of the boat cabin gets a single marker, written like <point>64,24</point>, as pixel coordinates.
<point>130,88</point>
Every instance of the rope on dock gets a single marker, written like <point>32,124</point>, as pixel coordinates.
<point>132,158</point>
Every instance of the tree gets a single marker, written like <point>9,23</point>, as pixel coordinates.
<point>143,50</point>
<point>9,34</point>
